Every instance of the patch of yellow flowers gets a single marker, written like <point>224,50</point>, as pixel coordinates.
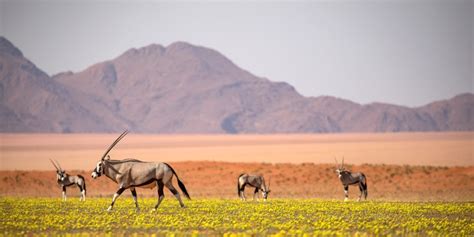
<point>276,217</point>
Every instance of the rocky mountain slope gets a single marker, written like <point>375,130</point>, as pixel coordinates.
<point>184,88</point>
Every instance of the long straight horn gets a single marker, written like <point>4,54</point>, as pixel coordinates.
<point>337,165</point>
<point>61,169</point>
<point>52,162</point>
<point>342,162</point>
<point>114,143</point>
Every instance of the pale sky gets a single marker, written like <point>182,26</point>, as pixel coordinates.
<point>402,52</point>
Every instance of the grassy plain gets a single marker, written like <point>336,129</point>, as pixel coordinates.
<point>419,184</point>
<point>294,217</point>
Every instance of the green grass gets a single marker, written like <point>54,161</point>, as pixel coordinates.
<point>295,217</point>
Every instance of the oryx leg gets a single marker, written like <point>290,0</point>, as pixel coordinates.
<point>161,194</point>
<point>175,192</point>
<point>242,191</point>
<point>116,195</point>
<point>83,196</point>
<point>361,188</point>
<point>255,193</point>
<point>83,193</point>
<point>346,192</point>
<point>134,195</point>
<point>64,193</point>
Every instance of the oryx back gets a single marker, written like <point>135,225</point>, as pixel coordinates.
<point>136,173</point>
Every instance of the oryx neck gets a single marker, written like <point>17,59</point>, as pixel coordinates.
<point>110,170</point>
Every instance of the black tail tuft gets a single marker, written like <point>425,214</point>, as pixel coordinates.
<point>183,188</point>
<point>180,184</point>
<point>84,180</point>
<point>365,187</point>
<point>364,183</point>
<point>238,187</point>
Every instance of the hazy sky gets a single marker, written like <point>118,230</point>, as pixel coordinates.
<point>402,52</point>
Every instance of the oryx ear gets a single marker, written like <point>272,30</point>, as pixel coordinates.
<point>108,157</point>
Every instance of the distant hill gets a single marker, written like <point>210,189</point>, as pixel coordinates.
<point>184,88</point>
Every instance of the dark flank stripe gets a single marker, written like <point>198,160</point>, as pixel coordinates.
<point>145,183</point>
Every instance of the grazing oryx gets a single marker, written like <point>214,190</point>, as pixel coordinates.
<point>131,173</point>
<point>256,181</point>
<point>348,178</point>
<point>66,180</point>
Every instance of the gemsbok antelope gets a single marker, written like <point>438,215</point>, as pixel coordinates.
<point>132,173</point>
<point>66,180</point>
<point>256,181</point>
<point>348,178</point>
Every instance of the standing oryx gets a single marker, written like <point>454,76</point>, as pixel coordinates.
<point>66,180</point>
<point>131,173</point>
<point>256,181</point>
<point>348,178</point>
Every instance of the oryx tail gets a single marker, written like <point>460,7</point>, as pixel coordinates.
<point>180,184</point>
<point>364,185</point>
<point>238,184</point>
<point>84,185</point>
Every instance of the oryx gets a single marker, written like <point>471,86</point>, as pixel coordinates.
<point>131,173</point>
<point>256,181</point>
<point>65,180</point>
<point>348,178</point>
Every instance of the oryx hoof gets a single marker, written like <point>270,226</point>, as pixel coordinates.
<point>346,199</point>
<point>153,210</point>
<point>109,209</point>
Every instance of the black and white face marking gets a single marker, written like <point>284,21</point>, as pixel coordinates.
<point>340,170</point>
<point>60,175</point>
<point>98,170</point>
<point>265,194</point>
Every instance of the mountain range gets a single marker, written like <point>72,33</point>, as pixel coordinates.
<point>183,88</point>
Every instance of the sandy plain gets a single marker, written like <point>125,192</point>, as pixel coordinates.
<point>399,166</point>
<point>81,151</point>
